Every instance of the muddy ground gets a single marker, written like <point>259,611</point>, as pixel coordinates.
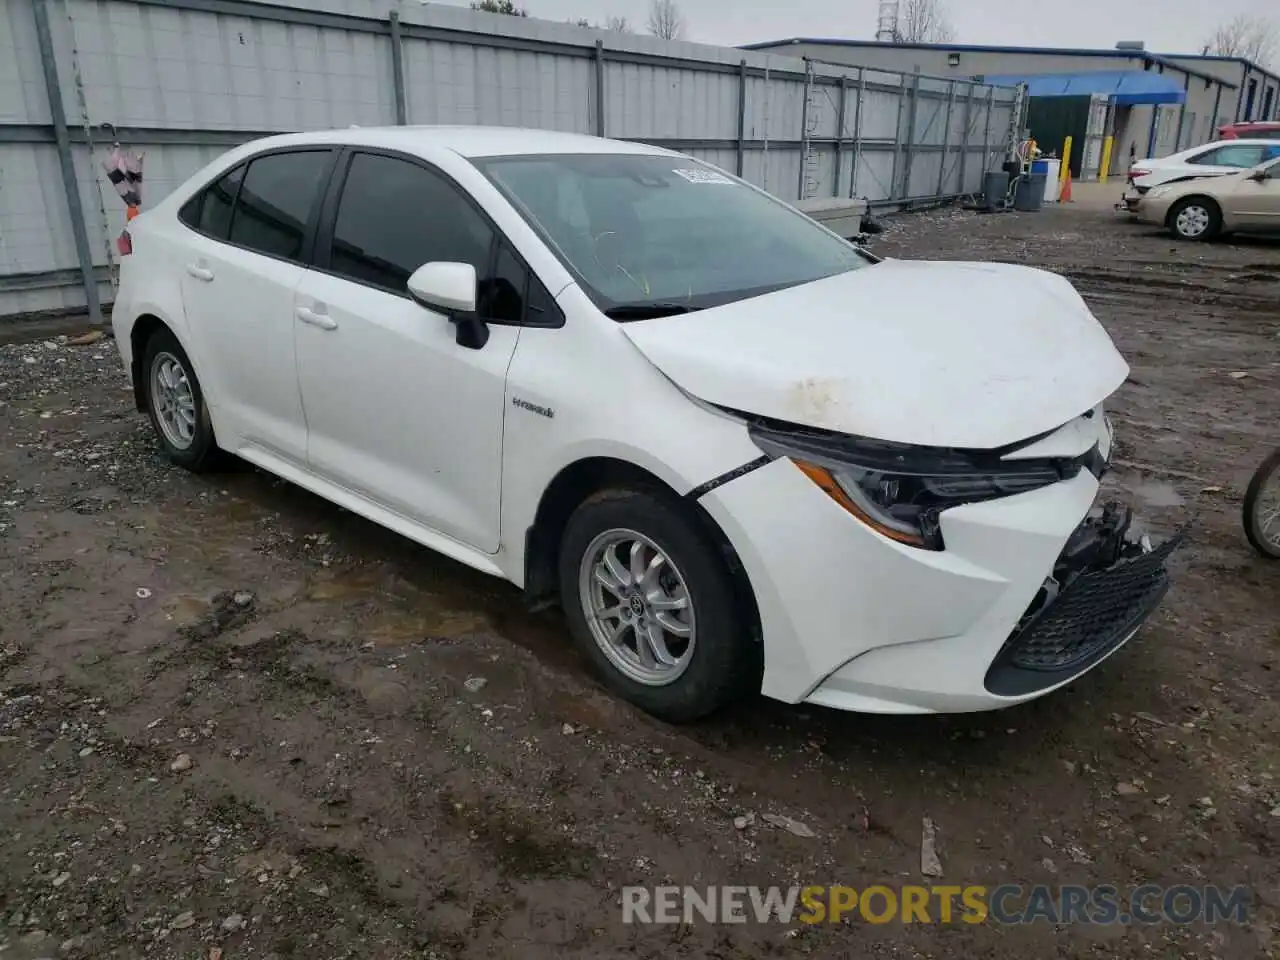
<point>235,718</point>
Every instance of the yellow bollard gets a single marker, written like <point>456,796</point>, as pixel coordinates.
<point>1107,144</point>
<point>1066,161</point>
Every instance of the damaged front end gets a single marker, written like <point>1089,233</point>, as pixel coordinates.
<point>1104,585</point>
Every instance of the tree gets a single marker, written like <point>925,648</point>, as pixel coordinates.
<point>665,20</point>
<point>499,6</point>
<point>1253,38</point>
<point>924,21</point>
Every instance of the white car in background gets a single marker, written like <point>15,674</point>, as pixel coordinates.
<point>746,455</point>
<point>1210,160</point>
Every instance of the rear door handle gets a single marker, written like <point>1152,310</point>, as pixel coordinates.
<point>199,272</point>
<point>321,320</point>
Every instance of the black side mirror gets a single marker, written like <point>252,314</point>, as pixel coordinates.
<point>469,330</point>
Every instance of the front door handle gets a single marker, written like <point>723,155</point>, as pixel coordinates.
<point>199,272</point>
<point>321,320</point>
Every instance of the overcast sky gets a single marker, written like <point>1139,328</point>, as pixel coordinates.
<point>1170,26</point>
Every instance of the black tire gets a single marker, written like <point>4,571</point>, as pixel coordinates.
<point>726,661</point>
<point>1211,209</point>
<point>202,453</point>
<point>1253,509</point>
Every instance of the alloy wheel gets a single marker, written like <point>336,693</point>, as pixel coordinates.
<point>637,606</point>
<point>174,400</point>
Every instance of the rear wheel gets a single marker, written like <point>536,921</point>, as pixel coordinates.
<point>176,404</point>
<point>1195,218</point>
<point>652,605</point>
<point>1262,508</point>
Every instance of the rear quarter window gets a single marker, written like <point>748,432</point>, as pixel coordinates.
<point>209,211</point>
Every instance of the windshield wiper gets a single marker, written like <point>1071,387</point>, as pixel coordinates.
<point>648,311</point>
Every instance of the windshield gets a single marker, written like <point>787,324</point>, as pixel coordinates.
<point>652,235</point>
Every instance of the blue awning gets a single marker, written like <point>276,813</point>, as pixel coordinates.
<point>1124,87</point>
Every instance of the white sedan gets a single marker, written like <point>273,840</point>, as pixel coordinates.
<point>743,453</point>
<point>1210,160</point>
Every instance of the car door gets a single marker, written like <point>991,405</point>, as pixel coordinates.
<point>242,266</point>
<point>397,410</point>
<point>1255,204</point>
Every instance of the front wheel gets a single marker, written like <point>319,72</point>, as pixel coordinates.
<point>1262,508</point>
<point>1195,218</point>
<point>651,603</point>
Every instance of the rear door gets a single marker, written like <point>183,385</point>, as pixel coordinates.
<point>253,231</point>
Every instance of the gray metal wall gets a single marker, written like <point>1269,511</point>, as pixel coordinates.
<point>183,80</point>
<point>1210,102</point>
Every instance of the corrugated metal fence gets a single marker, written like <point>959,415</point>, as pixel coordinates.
<point>184,80</point>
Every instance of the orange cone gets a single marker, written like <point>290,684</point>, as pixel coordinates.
<point>1065,195</point>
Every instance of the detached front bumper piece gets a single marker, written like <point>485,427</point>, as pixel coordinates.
<point>1104,587</point>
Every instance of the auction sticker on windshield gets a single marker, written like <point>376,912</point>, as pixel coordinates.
<point>702,176</point>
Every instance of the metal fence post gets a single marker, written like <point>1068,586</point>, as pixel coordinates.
<point>964,144</point>
<point>79,230</point>
<point>857,130</point>
<point>895,176</point>
<point>946,138</point>
<point>742,116</point>
<point>908,149</point>
<point>1182,119</point>
<point>599,59</point>
<point>397,67</point>
<point>840,122</point>
<point>986,137</point>
<point>804,127</point>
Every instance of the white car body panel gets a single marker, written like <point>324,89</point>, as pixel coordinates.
<point>432,396</point>
<point>378,409</point>
<point>821,617</point>
<point>247,299</point>
<point>890,352</point>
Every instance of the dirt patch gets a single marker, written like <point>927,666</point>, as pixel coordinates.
<point>348,793</point>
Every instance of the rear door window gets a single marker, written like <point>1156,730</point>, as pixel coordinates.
<point>1234,155</point>
<point>276,202</point>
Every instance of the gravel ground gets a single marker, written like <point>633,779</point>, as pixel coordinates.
<point>236,721</point>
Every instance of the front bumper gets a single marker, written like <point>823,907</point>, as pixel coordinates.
<point>854,621</point>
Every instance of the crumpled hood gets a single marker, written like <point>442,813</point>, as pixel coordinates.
<point>974,355</point>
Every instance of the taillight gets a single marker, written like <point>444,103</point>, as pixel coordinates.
<point>124,243</point>
<point>1136,172</point>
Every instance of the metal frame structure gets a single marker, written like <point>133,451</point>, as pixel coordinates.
<point>838,81</point>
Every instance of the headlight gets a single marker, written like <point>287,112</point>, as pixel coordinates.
<point>899,490</point>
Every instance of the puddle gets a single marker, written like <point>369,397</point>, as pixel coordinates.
<point>393,627</point>
<point>186,609</point>
<point>1157,494</point>
<point>344,586</point>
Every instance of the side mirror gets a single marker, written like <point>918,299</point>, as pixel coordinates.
<point>451,289</point>
<point>1260,176</point>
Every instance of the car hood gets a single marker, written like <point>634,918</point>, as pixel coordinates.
<point>974,355</point>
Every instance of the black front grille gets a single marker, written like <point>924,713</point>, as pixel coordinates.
<point>1093,614</point>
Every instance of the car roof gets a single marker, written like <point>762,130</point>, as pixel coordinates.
<point>1240,141</point>
<point>464,140</point>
